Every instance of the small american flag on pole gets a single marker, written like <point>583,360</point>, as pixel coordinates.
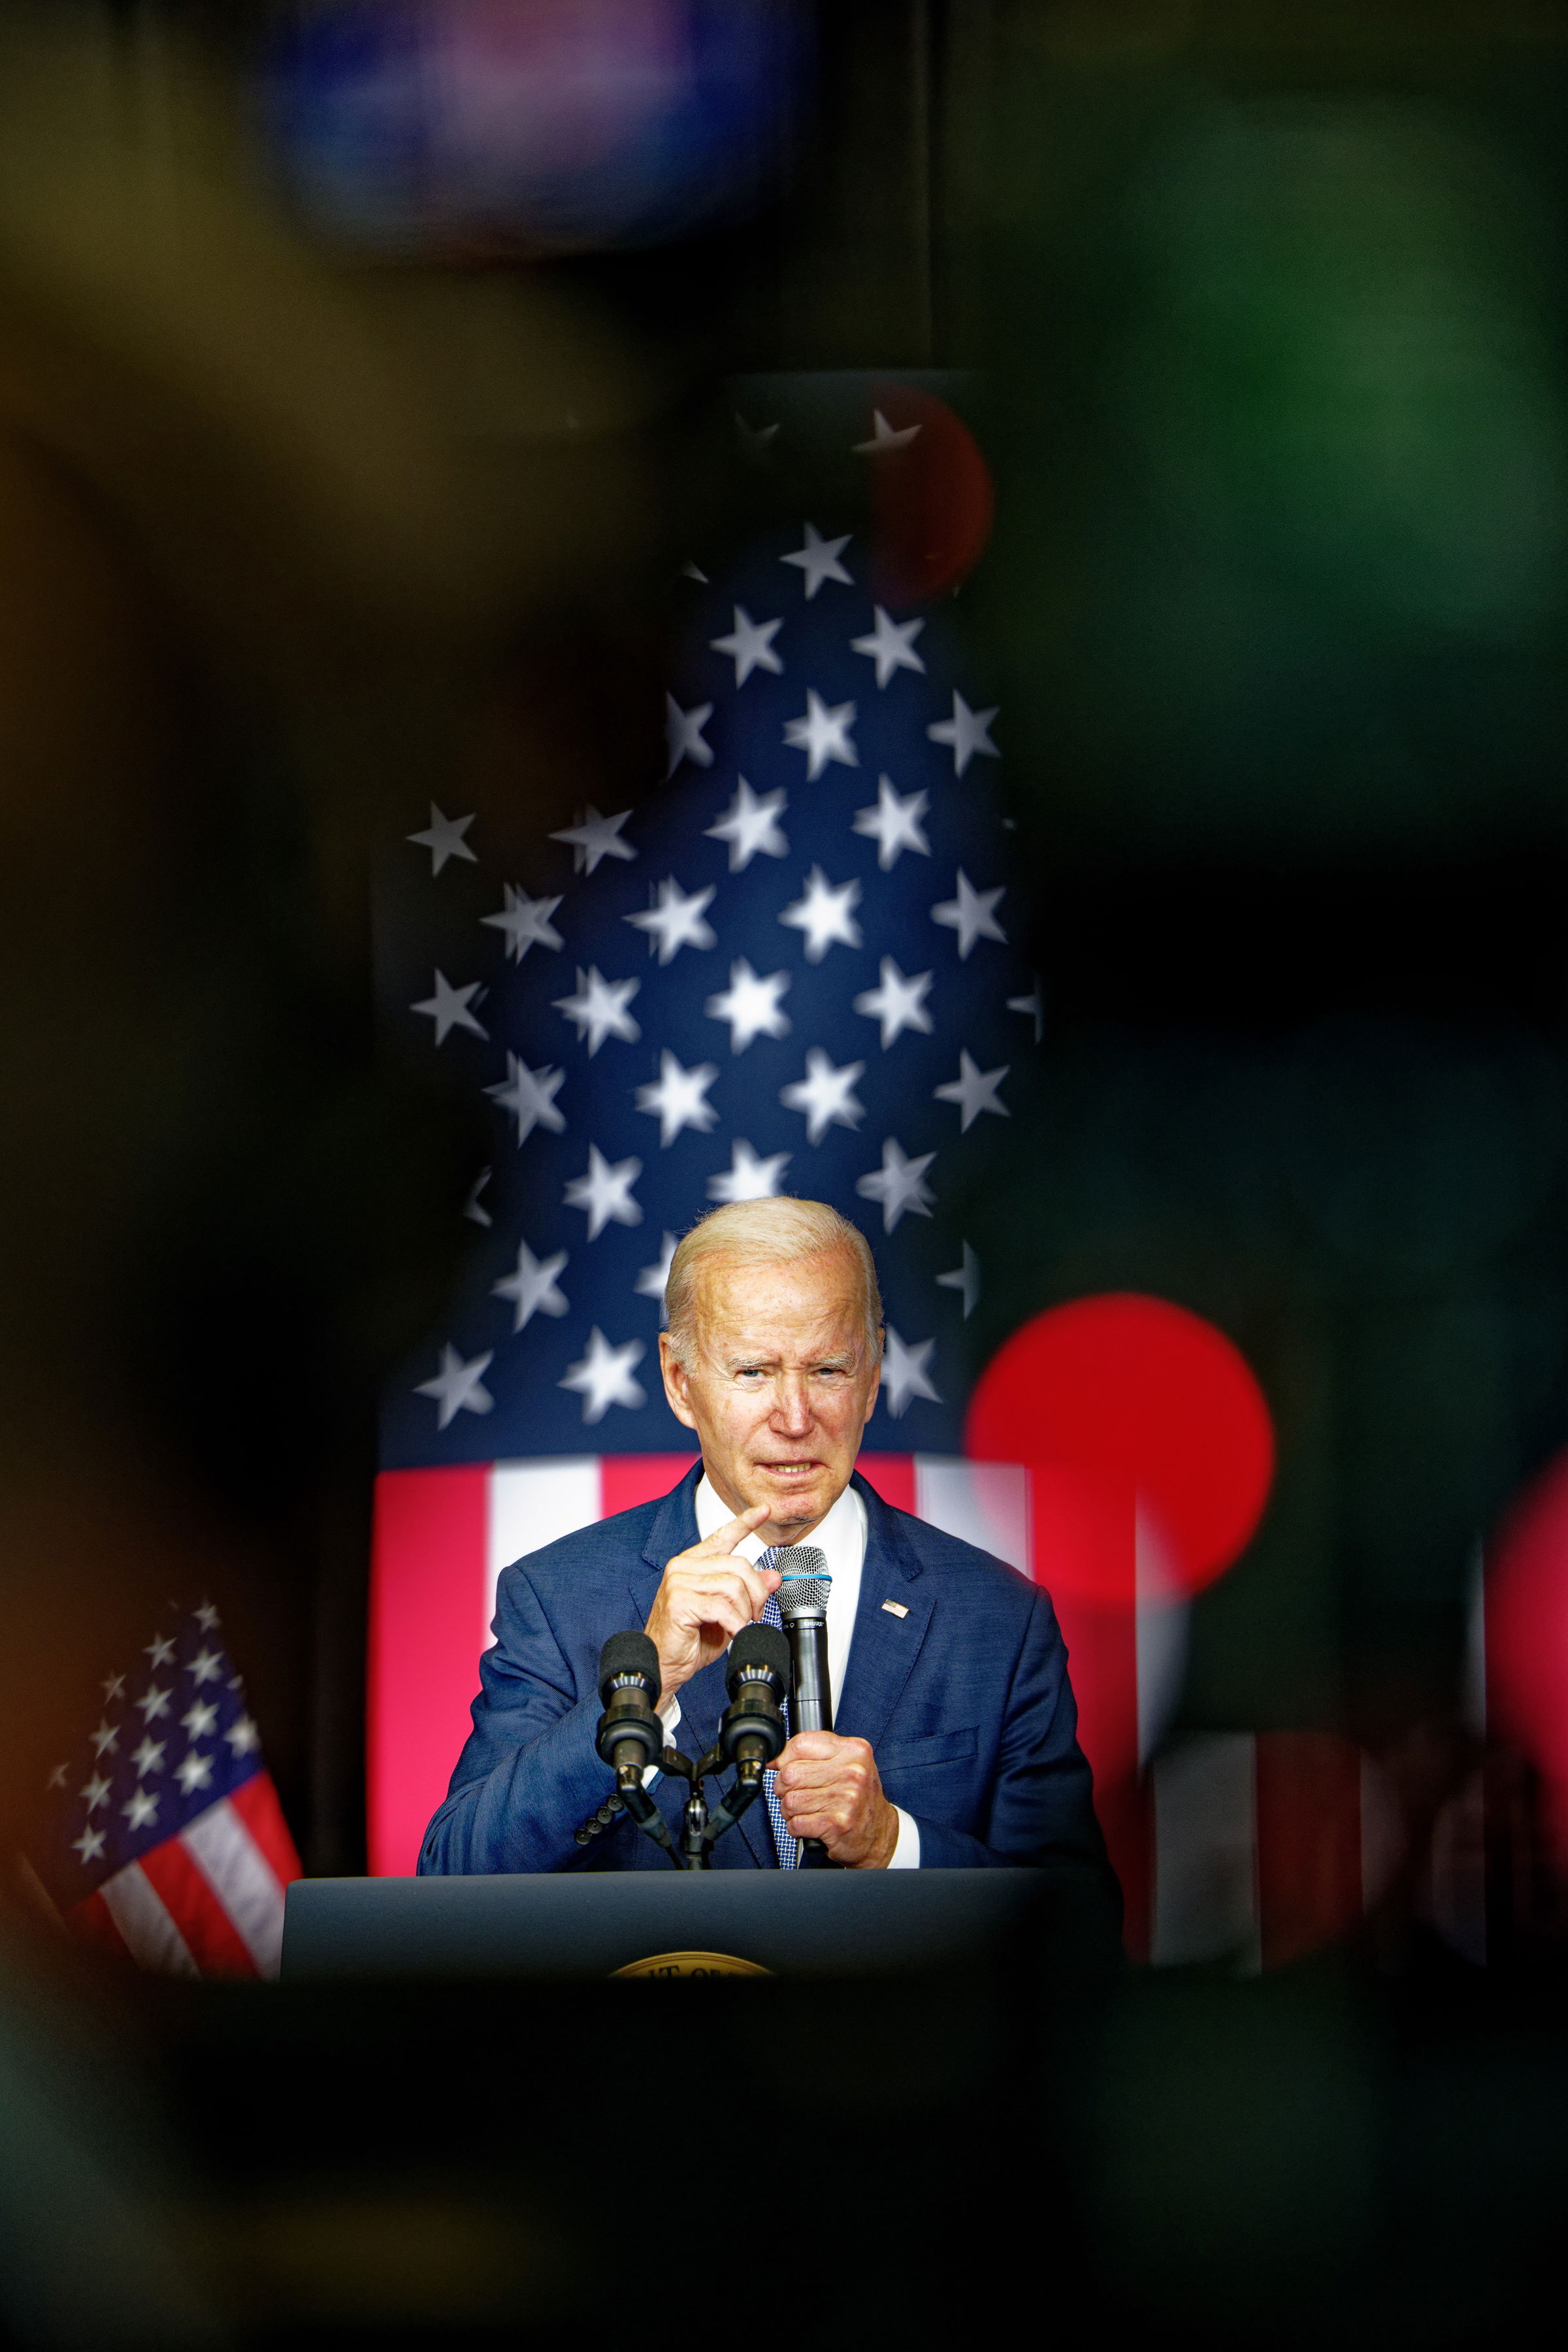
<point>166,1839</point>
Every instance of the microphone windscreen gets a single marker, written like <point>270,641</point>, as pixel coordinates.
<point>760,1645</point>
<point>629,1654</point>
<point>807,1582</point>
<point>800,1560</point>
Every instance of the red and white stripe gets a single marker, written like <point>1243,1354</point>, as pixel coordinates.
<point>442,1538</point>
<point>1264,1846</point>
<point>208,1902</point>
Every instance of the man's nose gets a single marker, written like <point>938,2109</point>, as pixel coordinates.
<point>791,1415</point>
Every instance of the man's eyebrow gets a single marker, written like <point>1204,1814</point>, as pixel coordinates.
<point>740,1359</point>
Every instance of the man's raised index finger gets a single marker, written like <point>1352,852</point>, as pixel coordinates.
<point>735,1531</point>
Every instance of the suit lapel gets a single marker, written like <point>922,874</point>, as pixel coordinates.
<point>674,1530</point>
<point>885,1647</point>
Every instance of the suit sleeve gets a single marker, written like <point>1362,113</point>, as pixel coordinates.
<point>1041,1810</point>
<point>528,1773</point>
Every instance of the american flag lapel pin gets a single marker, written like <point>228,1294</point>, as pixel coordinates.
<point>895,1608</point>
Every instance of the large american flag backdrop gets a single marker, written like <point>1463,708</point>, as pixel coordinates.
<point>797,968</point>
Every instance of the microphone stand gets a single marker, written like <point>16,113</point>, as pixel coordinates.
<point>700,1829</point>
<point>751,1735</point>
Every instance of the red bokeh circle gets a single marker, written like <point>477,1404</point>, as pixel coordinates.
<point>1527,1639</point>
<point>1122,1399</point>
<point>932,501</point>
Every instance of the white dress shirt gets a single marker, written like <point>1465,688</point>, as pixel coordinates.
<point>841,1536</point>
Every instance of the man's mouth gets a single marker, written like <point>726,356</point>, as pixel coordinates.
<point>789,1469</point>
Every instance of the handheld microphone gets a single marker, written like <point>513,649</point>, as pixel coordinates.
<point>630,1736</point>
<point>757,1677</point>
<point>803,1605</point>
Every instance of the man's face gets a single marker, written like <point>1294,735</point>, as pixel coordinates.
<point>780,1385</point>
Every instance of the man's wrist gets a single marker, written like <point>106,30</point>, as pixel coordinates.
<point>886,1841</point>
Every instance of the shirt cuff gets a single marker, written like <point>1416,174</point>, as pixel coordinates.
<point>669,1716</point>
<point>906,1852</point>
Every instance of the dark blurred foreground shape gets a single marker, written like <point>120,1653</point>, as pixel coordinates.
<point>1269,294</point>
<point>277,549</point>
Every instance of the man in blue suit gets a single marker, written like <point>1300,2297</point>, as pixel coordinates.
<point>955,1740</point>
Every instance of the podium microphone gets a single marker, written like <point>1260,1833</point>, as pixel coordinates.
<point>803,1606</point>
<point>757,1678</point>
<point>630,1736</point>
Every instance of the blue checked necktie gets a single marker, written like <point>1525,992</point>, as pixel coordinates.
<point>787,1847</point>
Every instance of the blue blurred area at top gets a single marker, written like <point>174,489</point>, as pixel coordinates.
<point>418,125</point>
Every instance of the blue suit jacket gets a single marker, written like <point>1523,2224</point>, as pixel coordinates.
<point>964,1700</point>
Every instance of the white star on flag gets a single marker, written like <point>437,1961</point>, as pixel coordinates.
<point>747,1177</point>
<point>206,1666</point>
<point>904,1375</point>
<point>824,914</point>
<point>160,1651</point>
<point>966,733</point>
<point>749,825</point>
<point>206,1617</point>
<point>603,1376</point>
<point>444,839</point>
<point>474,1209</point>
<point>532,1288</point>
<point>458,1386</point>
<point>1034,1004</point>
<point>749,646</point>
<point>450,1008</point>
<point>755,440</point>
<point>884,437</point>
<point>683,734</point>
<point>891,645</point>
<point>822,734</point>
<point>526,922</point>
<point>199,1718</point>
<point>654,1280</point>
<point>595,837</point>
<point>898,1185</point>
<point>243,1737</point>
<point>819,559</point>
<point>972,914</point>
<point>675,920</point>
<point>677,1098</point>
<point>96,1791</point>
<point>529,1095</point>
<point>974,1090</point>
<point>141,1809</point>
<point>106,1741</point>
<point>897,1002</point>
<point>605,1194</point>
<point>894,825</point>
<point>193,1772</point>
<point>965,1278</point>
<point>149,1757</point>
<point>113,1688</point>
<point>598,1009</point>
<point>751,1006</point>
<point>153,1704</point>
<point>89,1845</point>
<point>826,1096</point>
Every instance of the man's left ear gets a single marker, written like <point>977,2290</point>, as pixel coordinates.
<point>877,1372</point>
